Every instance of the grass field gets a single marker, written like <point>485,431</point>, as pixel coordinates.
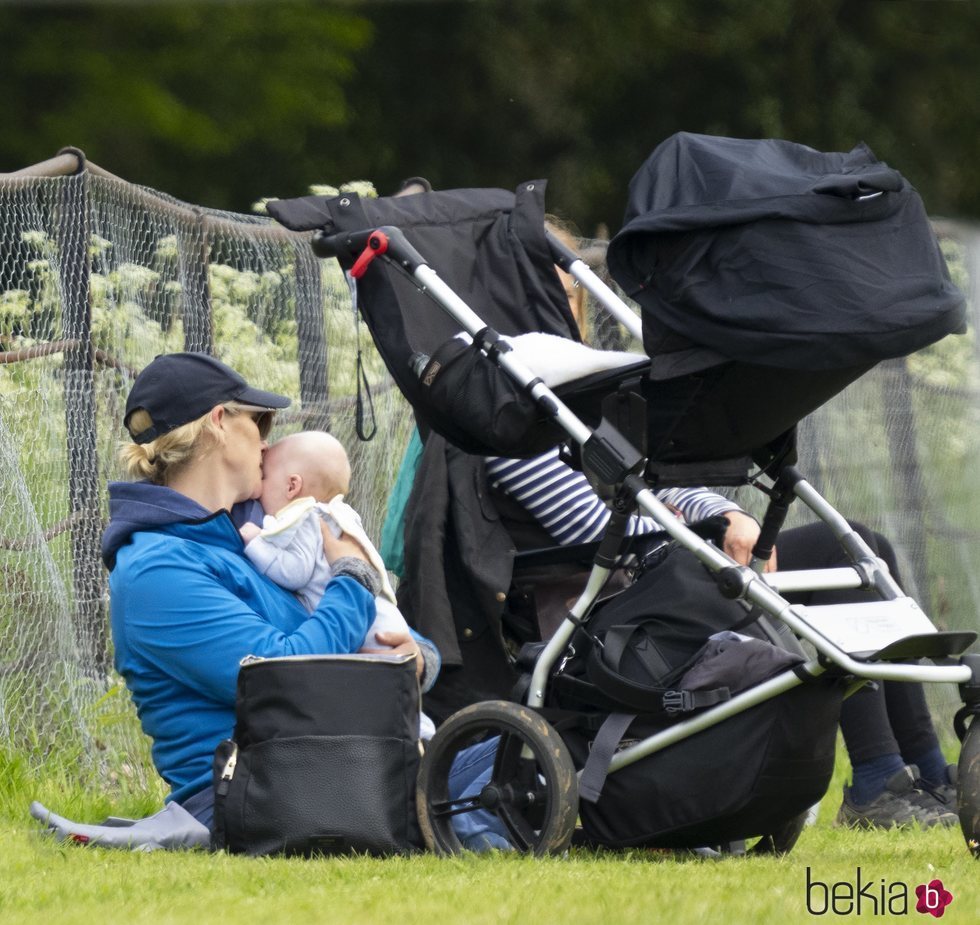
<point>42,881</point>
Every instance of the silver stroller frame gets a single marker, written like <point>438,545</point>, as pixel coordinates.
<point>861,639</point>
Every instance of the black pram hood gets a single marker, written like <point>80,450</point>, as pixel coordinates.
<point>772,253</point>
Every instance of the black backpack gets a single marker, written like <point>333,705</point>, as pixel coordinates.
<point>324,758</point>
<point>637,651</point>
<point>645,660</point>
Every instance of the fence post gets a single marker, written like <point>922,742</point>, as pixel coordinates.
<point>80,415</point>
<point>311,339</point>
<point>194,250</point>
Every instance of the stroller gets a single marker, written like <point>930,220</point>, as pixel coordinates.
<point>718,236</point>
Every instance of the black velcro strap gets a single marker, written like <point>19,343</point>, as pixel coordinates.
<point>620,638</point>
<point>490,343</point>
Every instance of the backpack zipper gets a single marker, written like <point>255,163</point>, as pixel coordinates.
<point>228,771</point>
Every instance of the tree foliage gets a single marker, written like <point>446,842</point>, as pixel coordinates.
<point>223,103</point>
<point>582,92</point>
<point>203,100</point>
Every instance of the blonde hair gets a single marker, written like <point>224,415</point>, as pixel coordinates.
<point>158,460</point>
<point>566,233</point>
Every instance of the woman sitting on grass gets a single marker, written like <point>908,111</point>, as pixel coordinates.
<point>187,605</point>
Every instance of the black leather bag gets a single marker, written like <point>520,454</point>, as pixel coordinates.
<point>324,758</point>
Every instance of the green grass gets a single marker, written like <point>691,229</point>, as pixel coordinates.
<point>43,881</point>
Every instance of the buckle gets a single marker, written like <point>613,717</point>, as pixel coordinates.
<point>569,654</point>
<point>678,701</point>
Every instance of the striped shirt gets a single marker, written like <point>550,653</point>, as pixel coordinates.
<point>562,501</point>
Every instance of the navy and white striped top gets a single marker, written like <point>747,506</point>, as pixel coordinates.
<point>563,502</point>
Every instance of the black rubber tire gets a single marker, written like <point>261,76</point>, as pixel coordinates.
<point>783,838</point>
<point>968,787</point>
<point>533,789</point>
<point>780,841</point>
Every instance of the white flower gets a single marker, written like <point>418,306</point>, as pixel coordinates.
<point>98,245</point>
<point>259,206</point>
<point>166,248</point>
<point>38,239</point>
<point>364,188</point>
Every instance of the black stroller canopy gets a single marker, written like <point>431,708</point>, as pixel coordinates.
<point>773,253</point>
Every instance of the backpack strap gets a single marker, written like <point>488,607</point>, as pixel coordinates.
<point>619,638</point>
<point>602,668</point>
<point>604,745</point>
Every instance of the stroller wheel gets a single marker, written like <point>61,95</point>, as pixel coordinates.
<point>780,841</point>
<point>532,789</point>
<point>968,787</point>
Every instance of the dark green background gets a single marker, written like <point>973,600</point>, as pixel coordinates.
<point>222,103</point>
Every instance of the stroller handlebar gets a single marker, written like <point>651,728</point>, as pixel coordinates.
<point>561,253</point>
<point>363,246</point>
<point>342,244</point>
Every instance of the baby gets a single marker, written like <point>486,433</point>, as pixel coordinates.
<point>304,479</point>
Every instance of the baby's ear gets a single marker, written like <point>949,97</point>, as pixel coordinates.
<point>294,486</point>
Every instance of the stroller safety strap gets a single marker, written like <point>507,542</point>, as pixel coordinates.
<point>604,746</point>
<point>609,737</point>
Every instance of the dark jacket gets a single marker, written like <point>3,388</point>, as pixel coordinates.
<point>458,563</point>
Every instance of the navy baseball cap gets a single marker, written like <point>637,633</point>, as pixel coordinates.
<point>177,388</point>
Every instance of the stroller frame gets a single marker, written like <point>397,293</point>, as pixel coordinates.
<point>864,640</point>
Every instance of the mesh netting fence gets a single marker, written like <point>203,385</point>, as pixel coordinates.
<point>97,276</point>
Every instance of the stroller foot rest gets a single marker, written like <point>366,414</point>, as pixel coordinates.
<point>929,645</point>
<point>867,628</point>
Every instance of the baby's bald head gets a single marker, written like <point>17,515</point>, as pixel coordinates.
<point>311,462</point>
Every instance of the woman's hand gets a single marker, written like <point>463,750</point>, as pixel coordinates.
<point>335,548</point>
<point>740,538</point>
<point>399,642</point>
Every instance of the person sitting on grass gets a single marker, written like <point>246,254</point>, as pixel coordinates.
<point>186,604</point>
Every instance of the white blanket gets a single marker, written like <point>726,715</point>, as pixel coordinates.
<point>558,360</point>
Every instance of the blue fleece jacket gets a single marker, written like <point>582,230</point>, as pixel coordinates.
<point>186,607</point>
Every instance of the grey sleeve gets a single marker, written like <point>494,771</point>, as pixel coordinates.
<point>362,572</point>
